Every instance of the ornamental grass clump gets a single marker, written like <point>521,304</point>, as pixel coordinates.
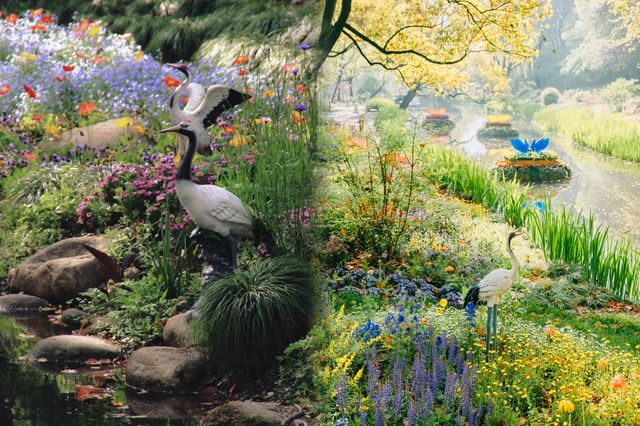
<point>248,318</point>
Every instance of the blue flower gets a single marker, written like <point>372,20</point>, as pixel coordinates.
<point>368,331</point>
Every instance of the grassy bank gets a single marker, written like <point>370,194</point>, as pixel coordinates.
<point>610,134</point>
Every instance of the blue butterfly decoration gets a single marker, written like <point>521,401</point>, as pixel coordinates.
<point>536,145</point>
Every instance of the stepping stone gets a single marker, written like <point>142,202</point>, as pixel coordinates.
<point>71,349</point>
<point>177,333</point>
<point>23,304</point>
<point>245,413</point>
<point>165,369</point>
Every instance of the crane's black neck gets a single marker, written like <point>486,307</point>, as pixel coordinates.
<point>184,169</point>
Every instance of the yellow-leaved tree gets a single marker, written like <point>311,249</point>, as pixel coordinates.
<point>629,11</point>
<point>448,45</point>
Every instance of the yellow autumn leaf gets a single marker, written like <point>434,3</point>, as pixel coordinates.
<point>139,129</point>
<point>139,56</point>
<point>124,122</point>
<point>238,140</point>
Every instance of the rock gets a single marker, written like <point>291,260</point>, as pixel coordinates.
<point>61,271</point>
<point>71,349</point>
<point>164,406</point>
<point>73,317</point>
<point>98,136</point>
<point>165,369</point>
<point>23,304</point>
<point>245,413</point>
<point>177,333</point>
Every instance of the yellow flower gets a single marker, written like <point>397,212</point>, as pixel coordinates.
<point>566,406</point>
<point>94,31</point>
<point>52,129</point>
<point>443,303</point>
<point>268,93</point>
<point>357,377</point>
<point>139,56</point>
<point>139,129</point>
<point>28,56</point>
<point>238,140</point>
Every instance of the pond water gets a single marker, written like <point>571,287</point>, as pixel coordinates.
<point>32,396</point>
<point>606,186</point>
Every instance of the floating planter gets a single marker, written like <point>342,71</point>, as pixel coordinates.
<point>498,127</point>
<point>438,121</point>
<point>531,163</point>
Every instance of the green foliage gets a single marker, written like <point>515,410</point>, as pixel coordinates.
<point>379,103</point>
<point>12,344</point>
<point>248,318</point>
<point>549,96</point>
<point>609,134</point>
<point>619,92</point>
<point>526,109</point>
<point>135,311</point>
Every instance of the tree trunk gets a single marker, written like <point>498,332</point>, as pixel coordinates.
<point>335,89</point>
<point>411,94</point>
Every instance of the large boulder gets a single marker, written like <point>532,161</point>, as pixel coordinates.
<point>23,304</point>
<point>177,332</point>
<point>245,413</point>
<point>61,271</point>
<point>97,136</point>
<point>165,369</point>
<point>73,350</point>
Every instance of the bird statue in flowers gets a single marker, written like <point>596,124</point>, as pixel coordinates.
<point>536,145</point>
<point>491,288</point>
<point>209,206</point>
<point>202,109</point>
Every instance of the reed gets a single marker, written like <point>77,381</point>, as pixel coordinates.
<point>608,133</point>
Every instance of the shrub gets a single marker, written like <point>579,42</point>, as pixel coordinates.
<point>550,95</point>
<point>619,92</point>
<point>248,318</point>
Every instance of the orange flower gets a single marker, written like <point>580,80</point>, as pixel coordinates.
<point>46,19</point>
<point>68,68</point>
<point>4,89</point>
<point>81,56</point>
<point>170,82</point>
<point>11,19</point>
<point>29,91</point>
<point>86,108</point>
<point>38,27</point>
<point>98,60</point>
<point>36,12</point>
<point>550,331</point>
<point>449,269</point>
<point>29,156</point>
<point>60,79</point>
<point>242,72</point>
<point>289,100</point>
<point>229,129</point>
<point>389,339</point>
<point>37,117</point>
<point>268,93</point>
<point>617,382</point>
<point>241,60</point>
<point>289,67</point>
<point>184,99</point>
<point>297,117</point>
<point>300,88</point>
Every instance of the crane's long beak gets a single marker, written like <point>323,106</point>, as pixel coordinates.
<point>171,129</point>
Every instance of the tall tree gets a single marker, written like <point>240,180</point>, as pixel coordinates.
<point>431,43</point>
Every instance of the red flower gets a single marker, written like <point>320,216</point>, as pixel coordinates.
<point>68,68</point>
<point>37,117</point>
<point>241,60</point>
<point>300,88</point>
<point>38,27</point>
<point>46,19</point>
<point>4,89</point>
<point>184,99</point>
<point>60,79</point>
<point>289,67</point>
<point>29,156</point>
<point>29,91</point>
<point>170,82</point>
<point>86,108</point>
<point>242,72</point>
<point>11,19</point>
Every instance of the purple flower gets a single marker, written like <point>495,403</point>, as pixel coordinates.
<point>301,107</point>
<point>304,46</point>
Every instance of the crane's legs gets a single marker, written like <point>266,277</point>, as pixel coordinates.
<point>487,334</point>
<point>233,246</point>
<point>495,327</point>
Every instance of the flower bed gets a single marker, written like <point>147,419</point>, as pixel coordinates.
<point>534,167</point>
